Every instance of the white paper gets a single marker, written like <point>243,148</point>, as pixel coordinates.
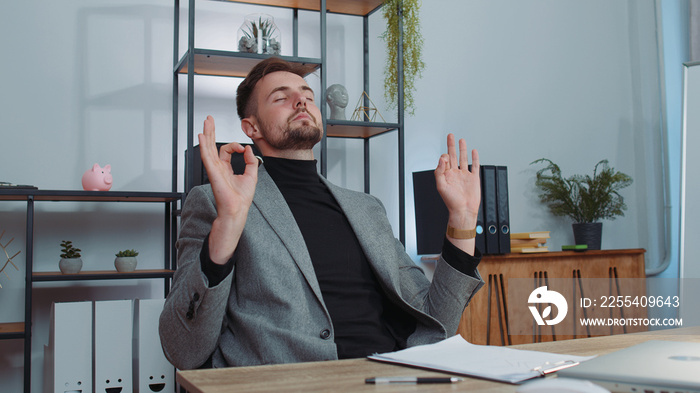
<point>456,355</point>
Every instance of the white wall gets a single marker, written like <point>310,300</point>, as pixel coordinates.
<point>573,81</point>
<point>90,81</point>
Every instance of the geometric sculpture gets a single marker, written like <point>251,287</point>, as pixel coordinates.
<point>7,255</point>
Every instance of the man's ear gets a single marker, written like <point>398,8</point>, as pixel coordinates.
<point>250,127</point>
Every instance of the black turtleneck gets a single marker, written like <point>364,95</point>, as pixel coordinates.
<point>364,321</point>
<point>350,289</point>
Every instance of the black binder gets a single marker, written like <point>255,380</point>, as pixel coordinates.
<point>503,211</point>
<point>431,213</point>
<point>480,232</point>
<point>490,202</point>
<point>492,224</point>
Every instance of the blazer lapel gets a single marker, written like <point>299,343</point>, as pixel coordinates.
<point>366,228</point>
<point>272,206</point>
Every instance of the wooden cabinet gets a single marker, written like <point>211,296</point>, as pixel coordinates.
<point>499,313</point>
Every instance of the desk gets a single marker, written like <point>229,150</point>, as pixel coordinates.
<point>349,375</point>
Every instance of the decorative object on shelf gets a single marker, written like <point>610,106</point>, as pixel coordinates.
<point>70,262</point>
<point>413,64</point>
<point>586,200</point>
<point>366,113</point>
<point>7,185</point>
<point>337,99</point>
<point>7,255</point>
<point>125,261</point>
<point>529,242</point>
<point>259,34</point>
<point>97,178</point>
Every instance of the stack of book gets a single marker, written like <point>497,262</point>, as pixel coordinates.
<point>528,242</point>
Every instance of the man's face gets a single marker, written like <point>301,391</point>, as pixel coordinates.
<point>287,113</point>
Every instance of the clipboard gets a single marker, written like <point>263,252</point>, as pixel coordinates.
<point>456,355</point>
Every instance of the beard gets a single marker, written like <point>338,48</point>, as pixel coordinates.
<point>294,137</point>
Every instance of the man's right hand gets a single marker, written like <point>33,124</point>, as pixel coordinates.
<point>233,193</point>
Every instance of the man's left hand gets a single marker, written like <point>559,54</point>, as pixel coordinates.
<point>459,187</point>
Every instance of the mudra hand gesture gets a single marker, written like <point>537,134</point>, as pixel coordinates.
<point>459,187</point>
<point>233,193</point>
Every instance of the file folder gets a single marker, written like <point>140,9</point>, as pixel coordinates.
<point>503,211</point>
<point>480,229</point>
<point>113,346</point>
<point>70,347</point>
<point>489,200</point>
<point>456,355</point>
<point>153,371</point>
<point>431,213</point>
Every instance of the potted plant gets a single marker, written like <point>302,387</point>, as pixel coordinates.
<point>585,199</point>
<point>259,34</point>
<point>125,261</point>
<point>70,262</point>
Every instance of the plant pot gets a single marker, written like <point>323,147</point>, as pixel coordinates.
<point>70,265</point>
<point>125,264</point>
<point>589,233</point>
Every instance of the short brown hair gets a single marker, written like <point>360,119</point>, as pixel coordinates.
<point>247,107</point>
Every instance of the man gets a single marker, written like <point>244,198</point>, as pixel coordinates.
<point>278,265</point>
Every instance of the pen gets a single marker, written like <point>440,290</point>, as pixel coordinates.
<point>381,380</point>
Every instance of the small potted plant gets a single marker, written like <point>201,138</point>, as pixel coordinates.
<point>70,262</point>
<point>125,261</point>
<point>585,199</point>
<point>259,34</point>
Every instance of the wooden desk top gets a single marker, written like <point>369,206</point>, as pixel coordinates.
<point>349,375</point>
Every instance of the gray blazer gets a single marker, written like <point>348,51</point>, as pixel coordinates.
<point>270,308</point>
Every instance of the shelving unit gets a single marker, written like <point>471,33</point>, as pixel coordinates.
<point>11,330</point>
<point>199,61</point>
<point>23,330</point>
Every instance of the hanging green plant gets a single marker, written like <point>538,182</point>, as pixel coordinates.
<point>413,64</point>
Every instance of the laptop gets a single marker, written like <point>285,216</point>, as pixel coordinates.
<point>653,366</point>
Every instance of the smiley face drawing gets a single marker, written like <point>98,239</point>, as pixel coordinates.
<point>542,295</point>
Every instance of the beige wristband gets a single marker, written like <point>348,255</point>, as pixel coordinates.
<point>461,233</point>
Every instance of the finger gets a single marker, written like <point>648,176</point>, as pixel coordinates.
<point>209,126</point>
<point>463,156</point>
<point>475,162</point>
<point>207,140</point>
<point>441,169</point>
<point>452,151</point>
<point>227,150</point>
<point>209,133</point>
<point>251,162</point>
<point>205,148</point>
<point>442,164</point>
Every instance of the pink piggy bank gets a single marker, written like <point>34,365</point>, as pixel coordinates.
<point>97,179</point>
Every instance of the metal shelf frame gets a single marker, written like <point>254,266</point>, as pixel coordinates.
<point>198,61</point>
<point>30,196</point>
